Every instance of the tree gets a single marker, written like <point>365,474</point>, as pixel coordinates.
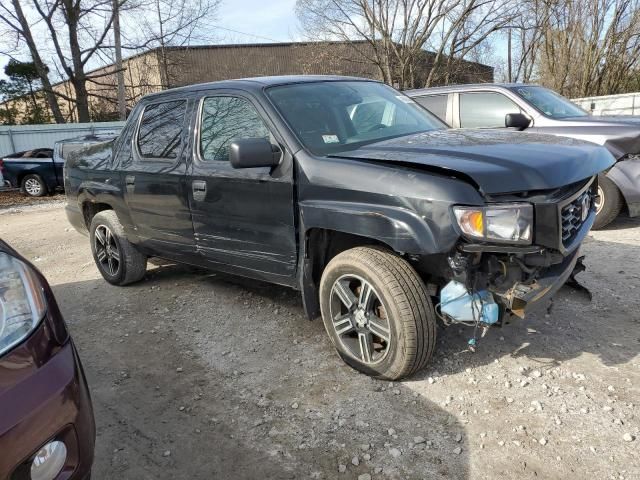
<point>14,19</point>
<point>394,34</point>
<point>163,24</point>
<point>22,88</point>
<point>25,76</point>
<point>603,34</point>
<point>9,111</point>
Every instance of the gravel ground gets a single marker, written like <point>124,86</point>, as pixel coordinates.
<point>201,375</point>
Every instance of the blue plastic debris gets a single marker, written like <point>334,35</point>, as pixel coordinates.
<point>459,305</point>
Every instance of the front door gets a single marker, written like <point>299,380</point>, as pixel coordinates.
<point>243,219</point>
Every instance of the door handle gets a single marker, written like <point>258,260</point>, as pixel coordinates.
<point>199,190</point>
<point>130,183</point>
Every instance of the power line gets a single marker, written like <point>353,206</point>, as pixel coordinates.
<point>247,34</point>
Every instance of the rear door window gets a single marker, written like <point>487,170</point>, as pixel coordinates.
<point>485,109</point>
<point>436,104</point>
<point>224,119</point>
<point>160,132</point>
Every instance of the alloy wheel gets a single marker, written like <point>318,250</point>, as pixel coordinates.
<point>33,187</point>
<point>107,251</point>
<point>599,203</point>
<point>359,319</point>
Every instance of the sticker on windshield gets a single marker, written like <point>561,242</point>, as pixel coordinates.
<point>330,139</point>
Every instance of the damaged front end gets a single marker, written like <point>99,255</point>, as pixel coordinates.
<point>518,278</point>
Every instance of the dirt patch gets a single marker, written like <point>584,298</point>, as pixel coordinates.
<point>201,375</point>
<point>14,199</point>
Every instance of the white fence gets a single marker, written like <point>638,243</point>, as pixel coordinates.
<point>623,104</point>
<point>27,137</point>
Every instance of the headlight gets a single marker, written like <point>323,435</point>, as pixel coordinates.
<point>22,303</point>
<point>509,223</point>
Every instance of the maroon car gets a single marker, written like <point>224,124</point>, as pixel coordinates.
<point>47,429</point>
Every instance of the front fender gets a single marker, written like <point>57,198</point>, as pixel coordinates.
<point>402,230</point>
<point>626,175</point>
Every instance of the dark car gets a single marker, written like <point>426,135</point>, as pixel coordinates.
<point>47,429</point>
<point>33,171</point>
<point>348,191</point>
<point>540,110</point>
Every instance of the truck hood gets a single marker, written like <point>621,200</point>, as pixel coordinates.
<point>497,161</point>
<point>619,134</point>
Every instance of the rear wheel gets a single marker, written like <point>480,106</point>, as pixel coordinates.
<point>33,185</point>
<point>609,205</point>
<point>377,313</point>
<point>118,261</point>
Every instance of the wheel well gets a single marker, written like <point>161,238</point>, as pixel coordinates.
<point>90,209</point>
<point>321,245</point>
<point>21,176</point>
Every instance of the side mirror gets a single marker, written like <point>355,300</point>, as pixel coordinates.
<point>516,120</point>
<point>253,152</point>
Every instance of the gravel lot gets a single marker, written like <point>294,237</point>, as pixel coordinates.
<point>202,375</point>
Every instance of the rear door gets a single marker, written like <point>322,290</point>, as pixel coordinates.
<point>243,219</point>
<point>154,182</point>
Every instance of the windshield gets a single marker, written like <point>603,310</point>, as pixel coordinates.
<point>330,117</point>
<point>549,102</point>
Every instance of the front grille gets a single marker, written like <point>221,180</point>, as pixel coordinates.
<point>573,215</point>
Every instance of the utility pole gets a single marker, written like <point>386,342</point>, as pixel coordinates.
<point>122,101</point>
<point>509,74</point>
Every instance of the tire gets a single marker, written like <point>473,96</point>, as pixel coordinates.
<point>398,308</point>
<point>130,265</point>
<point>33,185</point>
<point>611,202</point>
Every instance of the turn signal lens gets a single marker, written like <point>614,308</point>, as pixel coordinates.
<point>471,221</point>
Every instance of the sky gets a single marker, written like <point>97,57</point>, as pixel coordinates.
<point>263,20</point>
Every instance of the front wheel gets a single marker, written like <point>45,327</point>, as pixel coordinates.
<point>377,313</point>
<point>33,185</point>
<point>118,261</point>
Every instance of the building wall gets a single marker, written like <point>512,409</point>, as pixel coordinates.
<point>197,65</point>
<point>145,72</point>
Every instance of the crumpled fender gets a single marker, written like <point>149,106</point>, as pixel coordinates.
<point>401,229</point>
<point>626,175</point>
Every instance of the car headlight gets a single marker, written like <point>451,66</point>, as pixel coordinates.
<point>508,223</point>
<point>22,302</point>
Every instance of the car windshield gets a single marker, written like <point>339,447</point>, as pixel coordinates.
<point>334,116</point>
<point>549,102</point>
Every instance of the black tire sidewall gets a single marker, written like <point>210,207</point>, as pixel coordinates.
<point>97,221</point>
<point>397,335</point>
<point>43,186</point>
<point>612,203</point>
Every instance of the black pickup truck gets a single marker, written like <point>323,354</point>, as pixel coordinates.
<point>348,191</point>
